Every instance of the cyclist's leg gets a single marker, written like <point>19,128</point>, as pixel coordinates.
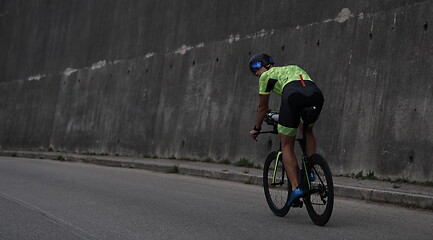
<point>289,158</point>
<point>287,129</point>
<point>314,100</point>
<point>311,139</point>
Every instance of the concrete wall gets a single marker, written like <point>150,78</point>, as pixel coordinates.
<point>170,78</point>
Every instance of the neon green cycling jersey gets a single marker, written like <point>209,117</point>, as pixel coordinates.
<point>277,77</point>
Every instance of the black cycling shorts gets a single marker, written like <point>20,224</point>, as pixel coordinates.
<point>294,98</point>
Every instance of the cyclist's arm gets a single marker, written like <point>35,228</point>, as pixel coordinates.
<point>262,109</point>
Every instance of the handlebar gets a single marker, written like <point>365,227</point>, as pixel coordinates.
<point>271,119</point>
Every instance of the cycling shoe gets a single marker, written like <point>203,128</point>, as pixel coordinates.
<point>295,195</point>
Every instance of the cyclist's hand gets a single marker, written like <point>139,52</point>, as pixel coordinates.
<point>254,133</point>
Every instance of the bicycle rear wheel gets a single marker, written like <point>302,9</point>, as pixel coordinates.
<point>320,201</point>
<point>276,186</point>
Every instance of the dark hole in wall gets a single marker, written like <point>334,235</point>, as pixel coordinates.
<point>411,156</point>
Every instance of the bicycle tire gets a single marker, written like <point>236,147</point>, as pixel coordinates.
<point>320,204</point>
<point>276,194</point>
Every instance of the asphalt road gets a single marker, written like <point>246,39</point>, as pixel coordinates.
<point>43,199</point>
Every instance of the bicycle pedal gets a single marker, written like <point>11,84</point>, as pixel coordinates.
<point>297,204</point>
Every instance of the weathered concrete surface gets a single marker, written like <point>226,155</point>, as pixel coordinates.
<point>169,78</point>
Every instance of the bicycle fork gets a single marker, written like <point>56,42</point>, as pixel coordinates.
<point>275,168</point>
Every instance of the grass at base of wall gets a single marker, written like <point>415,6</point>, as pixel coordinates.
<point>246,163</point>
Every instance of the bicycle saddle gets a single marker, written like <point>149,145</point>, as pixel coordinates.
<point>309,115</point>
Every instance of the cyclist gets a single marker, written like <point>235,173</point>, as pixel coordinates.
<point>297,90</point>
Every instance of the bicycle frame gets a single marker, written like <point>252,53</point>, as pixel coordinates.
<point>302,143</point>
<point>305,180</point>
<point>314,176</point>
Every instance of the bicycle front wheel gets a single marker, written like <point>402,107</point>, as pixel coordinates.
<point>276,185</point>
<point>320,201</point>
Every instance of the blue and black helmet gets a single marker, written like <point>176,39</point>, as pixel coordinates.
<point>260,60</point>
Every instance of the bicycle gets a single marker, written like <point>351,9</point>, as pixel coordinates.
<point>315,178</point>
